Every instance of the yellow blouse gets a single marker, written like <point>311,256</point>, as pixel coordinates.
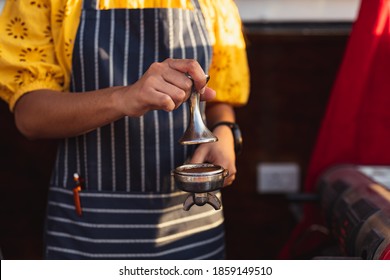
<point>37,42</point>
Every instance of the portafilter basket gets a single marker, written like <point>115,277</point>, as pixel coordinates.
<point>200,180</point>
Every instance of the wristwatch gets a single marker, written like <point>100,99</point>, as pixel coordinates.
<point>236,135</point>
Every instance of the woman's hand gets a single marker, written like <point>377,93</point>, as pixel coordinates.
<point>164,86</point>
<point>219,153</point>
<point>48,113</point>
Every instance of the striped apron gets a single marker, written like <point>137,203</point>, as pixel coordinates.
<point>130,206</point>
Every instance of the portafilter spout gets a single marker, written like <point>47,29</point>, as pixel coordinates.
<point>196,132</point>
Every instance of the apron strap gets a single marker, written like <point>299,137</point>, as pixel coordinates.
<point>196,4</point>
<point>89,4</point>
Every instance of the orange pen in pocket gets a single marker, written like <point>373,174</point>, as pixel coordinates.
<point>76,195</point>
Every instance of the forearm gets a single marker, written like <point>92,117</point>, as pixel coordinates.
<point>217,112</point>
<point>51,114</point>
<point>221,112</point>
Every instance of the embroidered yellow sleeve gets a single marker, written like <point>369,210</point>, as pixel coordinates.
<point>27,58</point>
<point>229,68</point>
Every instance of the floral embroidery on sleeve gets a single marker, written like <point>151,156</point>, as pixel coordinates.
<point>224,59</point>
<point>69,47</point>
<point>16,28</point>
<point>61,14</point>
<point>47,33</point>
<point>32,55</point>
<point>23,76</point>
<point>39,4</point>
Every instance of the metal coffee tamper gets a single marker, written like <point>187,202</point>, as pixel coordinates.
<point>196,132</point>
<point>199,179</point>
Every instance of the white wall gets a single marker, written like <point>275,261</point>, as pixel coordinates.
<point>1,5</point>
<point>298,10</point>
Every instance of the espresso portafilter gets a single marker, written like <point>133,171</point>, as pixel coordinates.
<point>200,180</point>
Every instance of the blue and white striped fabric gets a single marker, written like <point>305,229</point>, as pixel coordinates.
<point>131,208</point>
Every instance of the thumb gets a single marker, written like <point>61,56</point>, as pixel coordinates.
<point>208,94</point>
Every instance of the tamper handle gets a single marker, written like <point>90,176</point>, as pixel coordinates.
<point>196,132</point>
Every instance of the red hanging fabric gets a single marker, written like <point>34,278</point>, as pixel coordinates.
<point>356,126</point>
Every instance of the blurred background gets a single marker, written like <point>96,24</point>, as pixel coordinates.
<point>295,48</point>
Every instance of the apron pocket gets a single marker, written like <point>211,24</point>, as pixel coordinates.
<point>129,225</point>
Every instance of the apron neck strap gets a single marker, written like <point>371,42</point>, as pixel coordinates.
<point>196,4</point>
<point>89,4</point>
